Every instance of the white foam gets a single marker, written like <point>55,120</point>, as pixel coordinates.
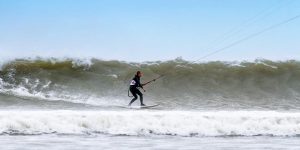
<point>113,76</point>
<point>273,67</point>
<point>21,91</point>
<point>182,123</point>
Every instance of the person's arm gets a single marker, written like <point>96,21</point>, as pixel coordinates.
<point>140,85</point>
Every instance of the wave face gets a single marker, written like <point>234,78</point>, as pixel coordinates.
<point>216,85</point>
<point>177,123</point>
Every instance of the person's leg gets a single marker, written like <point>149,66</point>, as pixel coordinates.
<point>133,92</point>
<point>141,97</point>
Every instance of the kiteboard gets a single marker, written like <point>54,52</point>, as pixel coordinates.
<point>149,106</point>
<point>141,107</point>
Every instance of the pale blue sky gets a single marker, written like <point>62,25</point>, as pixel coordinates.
<point>145,30</point>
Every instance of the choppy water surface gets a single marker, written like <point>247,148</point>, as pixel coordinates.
<point>74,142</point>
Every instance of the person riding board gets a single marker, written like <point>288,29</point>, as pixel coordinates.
<point>134,85</point>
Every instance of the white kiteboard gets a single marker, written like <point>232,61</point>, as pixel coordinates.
<point>141,107</point>
<point>149,106</point>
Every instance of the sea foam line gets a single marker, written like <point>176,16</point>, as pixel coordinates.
<point>181,123</point>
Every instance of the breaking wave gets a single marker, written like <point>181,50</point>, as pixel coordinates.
<point>259,84</point>
<point>145,123</point>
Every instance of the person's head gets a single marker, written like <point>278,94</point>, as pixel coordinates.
<point>139,74</point>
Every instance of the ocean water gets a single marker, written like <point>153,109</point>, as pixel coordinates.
<point>88,142</point>
<point>80,104</point>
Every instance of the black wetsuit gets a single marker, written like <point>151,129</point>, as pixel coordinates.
<point>135,83</point>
